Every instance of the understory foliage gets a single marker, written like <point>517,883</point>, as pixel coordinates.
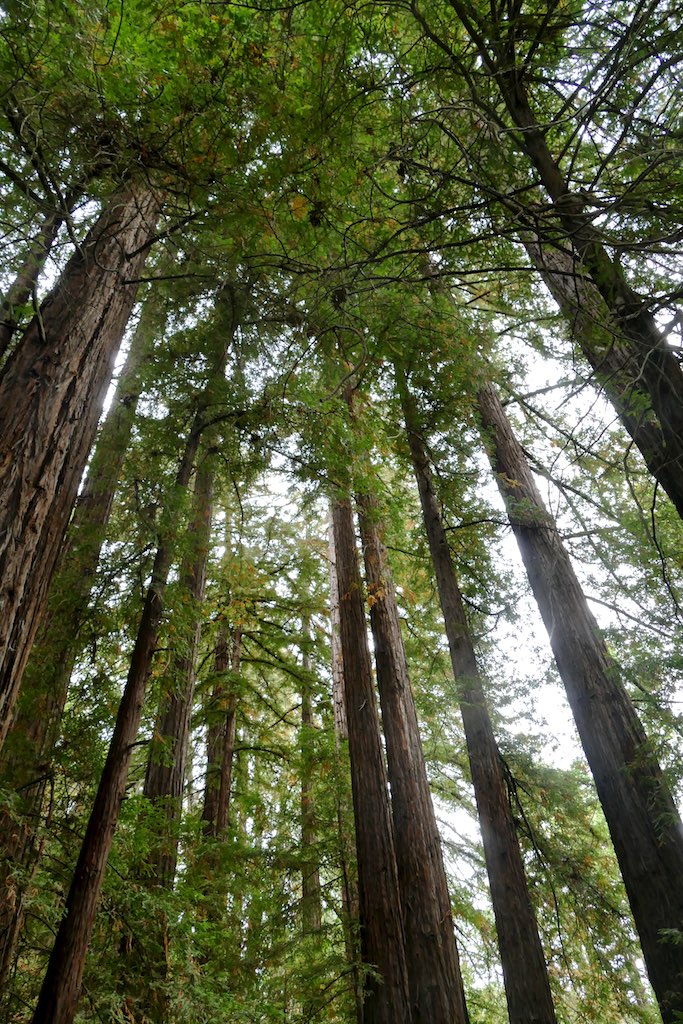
<point>347,201</point>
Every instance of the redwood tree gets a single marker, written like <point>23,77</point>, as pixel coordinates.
<point>641,815</point>
<point>51,395</point>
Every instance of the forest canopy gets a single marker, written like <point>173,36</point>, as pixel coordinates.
<point>341,485</point>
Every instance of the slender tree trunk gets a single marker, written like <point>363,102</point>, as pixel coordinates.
<point>527,987</point>
<point>436,987</point>
<point>166,765</point>
<point>615,368</point>
<point>61,985</point>
<point>642,818</point>
<point>311,908</point>
<point>28,750</point>
<point>349,891</point>
<point>387,999</point>
<point>51,397</point>
<point>23,287</point>
<point>220,744</point>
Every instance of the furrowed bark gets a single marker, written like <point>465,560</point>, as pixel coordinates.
<point>386,999</point>
<point>527,987</point>
<point>642,818</point>
<point>436,988</point>
<point>51,397</point>
<point>28,750</point>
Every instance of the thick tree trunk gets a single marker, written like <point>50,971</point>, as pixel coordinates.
<point>642,818</point>
<point>22,289</point>
<point>51,397</point>
<point>436,988</point>
<point>387,999</point>
<point>527,988</point>
<point>311,908</point>
<point>27,753</point>
<point>61,985</point>
<point>615,368</point>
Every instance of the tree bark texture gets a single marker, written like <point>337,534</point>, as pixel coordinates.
<point>527,987</point>
<point>61,986</point>
<point>387,999</point>
<point>51,397</point>
<point>643,821</point>
<point>615,368</point>
<point>27,753</point>
<point>436,988</point>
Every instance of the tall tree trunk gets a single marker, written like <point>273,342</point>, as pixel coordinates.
<point>220,742</point>
<point>51,396</point>
<point>168,750</point>
<point>311,908</point>
<point>349,892</point>
<point>27,753</point>
<point>23,287</point>
<point>387,999</point>
<point>658,371</point>
<point>166,765</point>
<point>436,988</point>
<point>61,985</point>
<point>527,987</point>
<point>642,818</point>
<point>615,368</point>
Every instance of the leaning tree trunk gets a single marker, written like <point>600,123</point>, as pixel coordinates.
<point>220,740</point>
<point>387,999</point>
<point>527,987</point>
<point>51,397</point>
<point>23,288</point>
<point>616,370</point>
<point>27,753</point>
<point>61,986</point>
<point>642,818</point>
<point>436,989</point>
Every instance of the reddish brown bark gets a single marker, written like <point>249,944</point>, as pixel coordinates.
<point>51,397</point>
<point>28,750</point>
<point>642,818</point>
<point>527,988</point>
<point>436,988</point>
<point>387,999</point>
